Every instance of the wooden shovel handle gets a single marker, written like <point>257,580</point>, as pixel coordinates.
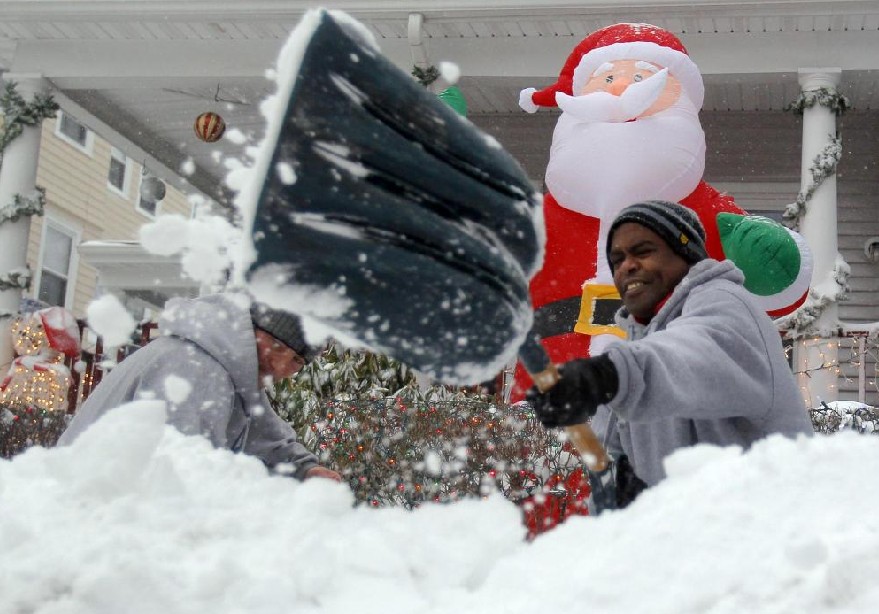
<point>580,435</point>
<point>587,444</point>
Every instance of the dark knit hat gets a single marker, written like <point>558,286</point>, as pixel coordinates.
<point>678,226</point>
<point>283,326</point>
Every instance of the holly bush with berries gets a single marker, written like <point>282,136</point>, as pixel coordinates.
<point>400,443</point>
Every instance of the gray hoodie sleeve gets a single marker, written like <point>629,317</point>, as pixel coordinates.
<point>212,408</point>
<point>274,441</point>
<point>713,361</point>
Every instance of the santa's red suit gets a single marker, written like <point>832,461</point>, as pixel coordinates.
<point>629,131</point>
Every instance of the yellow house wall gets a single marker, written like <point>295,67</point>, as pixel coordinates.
<point>79,197</point>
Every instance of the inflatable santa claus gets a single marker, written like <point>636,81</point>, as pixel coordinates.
<point>629,130</point>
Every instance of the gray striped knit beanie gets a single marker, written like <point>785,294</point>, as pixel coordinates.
<point>283,326</point>
<point>678,226</point>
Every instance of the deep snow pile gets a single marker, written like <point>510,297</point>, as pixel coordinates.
<point>136,518</point>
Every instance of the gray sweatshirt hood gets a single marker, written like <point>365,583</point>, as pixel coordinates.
<point>232,344</point>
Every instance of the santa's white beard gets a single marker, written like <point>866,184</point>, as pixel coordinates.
<point>598,168</point>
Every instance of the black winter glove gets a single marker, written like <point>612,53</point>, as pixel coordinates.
<point>585,384</point>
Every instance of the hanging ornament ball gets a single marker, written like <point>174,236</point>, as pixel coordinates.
<point>209,127</point>
<point>152,188</point>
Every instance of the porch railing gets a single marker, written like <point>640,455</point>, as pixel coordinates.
<point>857,365</point>
<point>88,368</point>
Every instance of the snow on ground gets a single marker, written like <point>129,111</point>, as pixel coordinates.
<point>136,518</point>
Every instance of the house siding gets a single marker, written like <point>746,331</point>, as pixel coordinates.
<point>78,196</point>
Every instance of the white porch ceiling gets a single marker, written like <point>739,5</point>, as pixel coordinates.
<point>140,71</point>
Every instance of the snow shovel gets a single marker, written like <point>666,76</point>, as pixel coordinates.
<point>392,222</point>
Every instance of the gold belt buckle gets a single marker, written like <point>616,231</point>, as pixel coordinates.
<point>587,322</point>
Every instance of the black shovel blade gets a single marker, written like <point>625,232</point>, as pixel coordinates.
<point>421,229</point>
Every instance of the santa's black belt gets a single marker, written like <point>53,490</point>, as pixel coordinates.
<point>590,314</point>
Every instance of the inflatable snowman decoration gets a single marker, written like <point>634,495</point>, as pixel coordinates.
<point>38,377</point>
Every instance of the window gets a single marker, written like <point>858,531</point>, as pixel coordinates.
<point>56,260</point>
<point>119,175</point>
<point>150,193</point>
<point>74,132</point>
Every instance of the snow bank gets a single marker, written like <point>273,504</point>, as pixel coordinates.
<point>134,517</point>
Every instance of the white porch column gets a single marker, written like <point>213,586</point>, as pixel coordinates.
<point>819,228</point>
<point>18,174</point>
<point>415,34</point>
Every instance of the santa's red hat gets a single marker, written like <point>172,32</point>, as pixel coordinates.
<point>62,331</point>
<point>621,41</point>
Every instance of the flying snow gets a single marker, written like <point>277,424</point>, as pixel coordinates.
<point>286,173</point>
<point>450,72</point>
<point>109,319</point>
<point>207,244</point>
<point>187,167</point>
<point>177,389</point>
<point>167,235</point>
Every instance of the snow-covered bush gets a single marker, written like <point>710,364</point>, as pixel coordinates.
<point>845,416</point>
<point>23,426</point>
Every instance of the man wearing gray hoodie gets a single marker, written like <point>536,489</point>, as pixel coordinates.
<point>210,366</point>
<point>702,362</point>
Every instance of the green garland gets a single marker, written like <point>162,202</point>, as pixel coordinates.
<point>20,280</point>
<point>426,76</point>
<point>823,166</point>
<point>17,113</point>
<point>823,96</point>
<point>801,322</point>
<point>24,206</point>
